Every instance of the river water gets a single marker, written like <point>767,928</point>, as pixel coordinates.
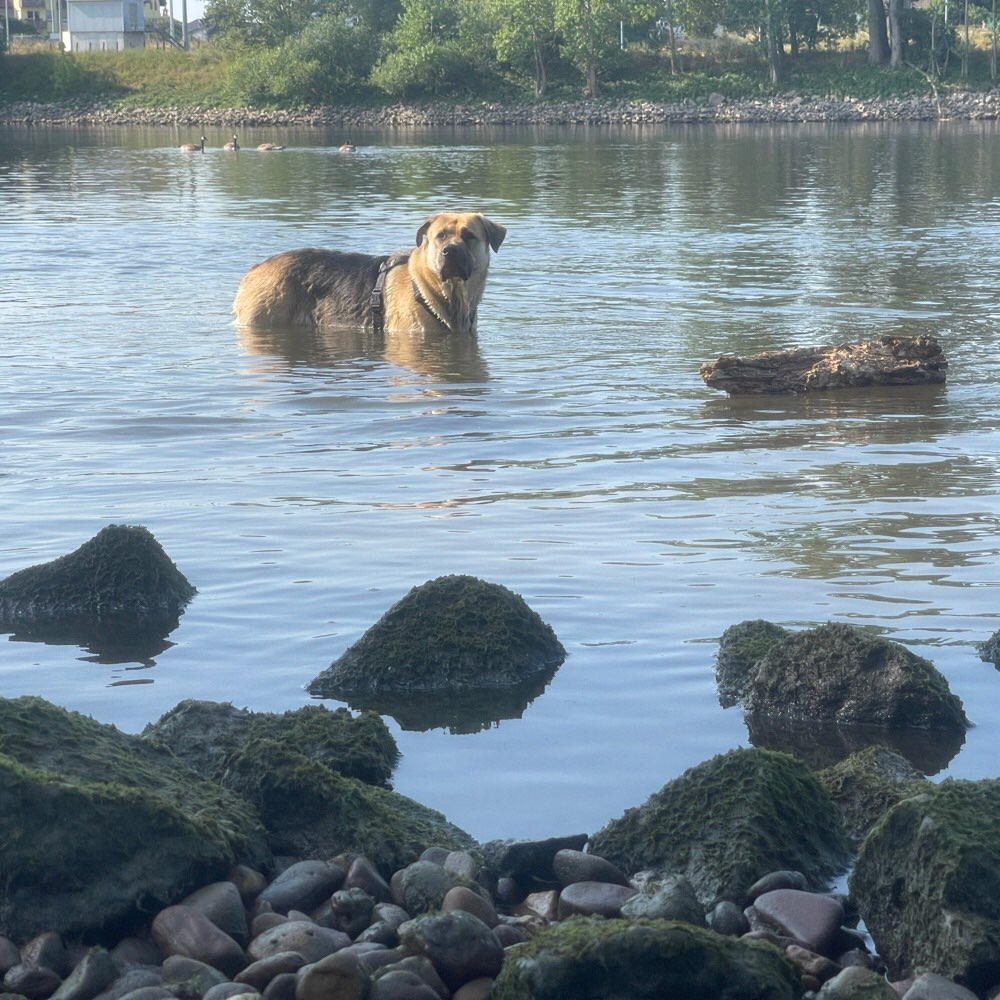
<point>305,483</point>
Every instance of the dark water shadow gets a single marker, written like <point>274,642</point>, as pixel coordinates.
<point>446,357</point>
<point>822,744</point>
<point>459,712</point>
<point>107,640</point>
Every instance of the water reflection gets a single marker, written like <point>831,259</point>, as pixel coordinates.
<point>821,744</point>
<point>444,357</point>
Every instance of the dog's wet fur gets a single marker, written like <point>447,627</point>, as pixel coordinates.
<point>435,287</point>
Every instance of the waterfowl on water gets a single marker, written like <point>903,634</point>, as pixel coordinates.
<point>266,146</point>
<point>348,147</point>
<point>194,147</point>
<point>232,146</point>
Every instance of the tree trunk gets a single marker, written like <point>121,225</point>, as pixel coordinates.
<point>885,361</point>
<point>993,43</point>
<point>673,38</point>
<point>592,84</point>
<point>896,36</point>
<point>878,37</point>
<point>772,32</point>
<point>541,77</point>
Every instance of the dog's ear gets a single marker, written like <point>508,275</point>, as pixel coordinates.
<point>495,233</point>
<point>422,231</point>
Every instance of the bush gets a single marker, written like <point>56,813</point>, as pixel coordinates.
<point>431,69</point>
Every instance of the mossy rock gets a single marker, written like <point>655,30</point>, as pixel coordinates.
<point>100,828</point>
<point>990,650</point>
<point>205,733</point>
<point>312,811</point>
<point>588,958</point>
<point>927,883</point>
<point>845,674</point>
<point>728,821</point>
<point>866,784</point>
<point>450,634</point>
<point>740,648</point>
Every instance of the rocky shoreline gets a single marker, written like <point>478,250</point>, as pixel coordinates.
<point>717,109</point>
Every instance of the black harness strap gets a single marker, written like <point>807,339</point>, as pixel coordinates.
<point>378,292</point>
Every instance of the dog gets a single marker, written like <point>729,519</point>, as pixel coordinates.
<point>434,288</point>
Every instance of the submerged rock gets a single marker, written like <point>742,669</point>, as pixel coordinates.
<point>451,634</point>
<point>117,589</point>
<point>724,822</point>
<point>591,958</point>
<point>204,733</point>
<point>847,675</point>
<point>99,827</point>
<point>927,882</point>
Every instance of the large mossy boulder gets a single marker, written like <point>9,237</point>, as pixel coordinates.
<point>204,733</point>
<point>927,883</point>
<point>866,784</point>
<point>311,810</point>
<point>447,638</point>
<point>845,674</point>
<point>595,959</point>
<point>728,821</point>
<point>99,828</point>
<point>117,594</point>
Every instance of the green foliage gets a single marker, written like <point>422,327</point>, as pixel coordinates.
<point>55,76</point>
<point>327,61</point>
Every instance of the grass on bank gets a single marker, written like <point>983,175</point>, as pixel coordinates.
<point>153,78</point>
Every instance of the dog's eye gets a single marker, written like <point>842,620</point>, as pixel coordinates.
<point>469,236</point>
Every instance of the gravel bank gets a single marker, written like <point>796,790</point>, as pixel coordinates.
<point>717,110</point>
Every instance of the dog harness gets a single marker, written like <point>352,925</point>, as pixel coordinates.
<point>378,292</point>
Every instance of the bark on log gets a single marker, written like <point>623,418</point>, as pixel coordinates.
<point>884,361</point>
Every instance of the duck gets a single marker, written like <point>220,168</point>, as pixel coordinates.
<point>348,147</point>
<point>194,147</point>
<point>233,146</point>
<point>265,147</point>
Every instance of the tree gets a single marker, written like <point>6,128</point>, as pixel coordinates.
<point>524,34</point>
<point>590,31</point>
<point>244,23</point>
<point>878,34</point>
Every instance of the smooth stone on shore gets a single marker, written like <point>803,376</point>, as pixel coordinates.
<point>399,984</point>
<point>783,879</point>
<point>541,904</point>
<point>337,976</point>
<point>594,899</point>
<point>303,886</point>
<point>258,974</point>
<point>150,993</point>
<point>461,863</point>
<point>222,904</point>
<point>727,918</point>
<point>459,945</point>
<point>229,991</point>
<point>855,983</point>
<point>197,977</point>
<point>36,982</point>
<point>185,931</point>
<point>362,874</point>
<point>808,918</point>
<point>423,886</point>
<point>93,973</point>
<point>460,898</point>
<point>478,989</point>
<point>420,966</point>
<point>132,979</point>
<point>577,866</point>
<point>10,954</point>
<point>47,949</point>
<point>527,860</point>
<point>670,898</point>
<point>310,940</point>
<point>351,910</point>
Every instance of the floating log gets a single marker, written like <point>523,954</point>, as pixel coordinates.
<point>884,361</point>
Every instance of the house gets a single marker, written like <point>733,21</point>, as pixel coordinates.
<point>93,25</point>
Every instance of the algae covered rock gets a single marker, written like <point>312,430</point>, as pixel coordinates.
<point>99,827</point>
<point>724,823</point>
<point>451,636</point>
<point>205,733</point>
<point>119,588</point>
<point>927,883</point>
<point>589,958</point>
<point>990,650</point>
<point>866,784</point>
<point>312,811</point>
<point>847,675</point>
<point>741,647</point>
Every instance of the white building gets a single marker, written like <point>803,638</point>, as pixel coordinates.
<point>93,25</point>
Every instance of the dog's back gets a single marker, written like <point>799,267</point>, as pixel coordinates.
<point>310,287</point>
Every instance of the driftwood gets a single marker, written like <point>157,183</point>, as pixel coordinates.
<point>885,361</point>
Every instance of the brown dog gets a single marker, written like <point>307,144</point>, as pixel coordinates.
<point>434,288</point>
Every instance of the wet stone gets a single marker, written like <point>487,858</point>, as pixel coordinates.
<point>576,866</point>
<point>593,899</point>
<point>727,918</point>
<point>258,974</point>
<point>9,955</point>
<point>93,973</point>
<point>229,991</point>
<point>222,904</point>
<point>784,879</point>
<point>339,975</point>
<point>310,940</point>
<point>461,863</point>
<point>671,898</point>
<point>362,874</point>
<point>460,898</point>
<point>303,886</point>
<point>282,987</point>
<point>183,930</point>
<point>351,910</point>
<point>35,982</point>
<point>47,949</point>
<point>398,984</point>
<point>810,919</point>
<point>460,946</point>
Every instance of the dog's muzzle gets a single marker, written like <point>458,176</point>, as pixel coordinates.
<point>456,262</point>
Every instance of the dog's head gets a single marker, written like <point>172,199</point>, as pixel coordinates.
<point>458,244</point>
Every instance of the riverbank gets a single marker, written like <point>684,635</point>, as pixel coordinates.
<point>965,105</point>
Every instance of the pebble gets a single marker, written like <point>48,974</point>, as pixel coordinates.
<point>183,930</point>
<point>303,886</point>
<point>603,899</point>
<point>810,919</point>
<point>578,866</point>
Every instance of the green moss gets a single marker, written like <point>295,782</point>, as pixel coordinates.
<point>728,821</point>
<point>927,881</point>
<point>592,959</point>
<point>740,647</point>
<point>452,632</point>
<point>312,811</point>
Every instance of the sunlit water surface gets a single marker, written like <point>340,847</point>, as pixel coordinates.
<point>306,483</point>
